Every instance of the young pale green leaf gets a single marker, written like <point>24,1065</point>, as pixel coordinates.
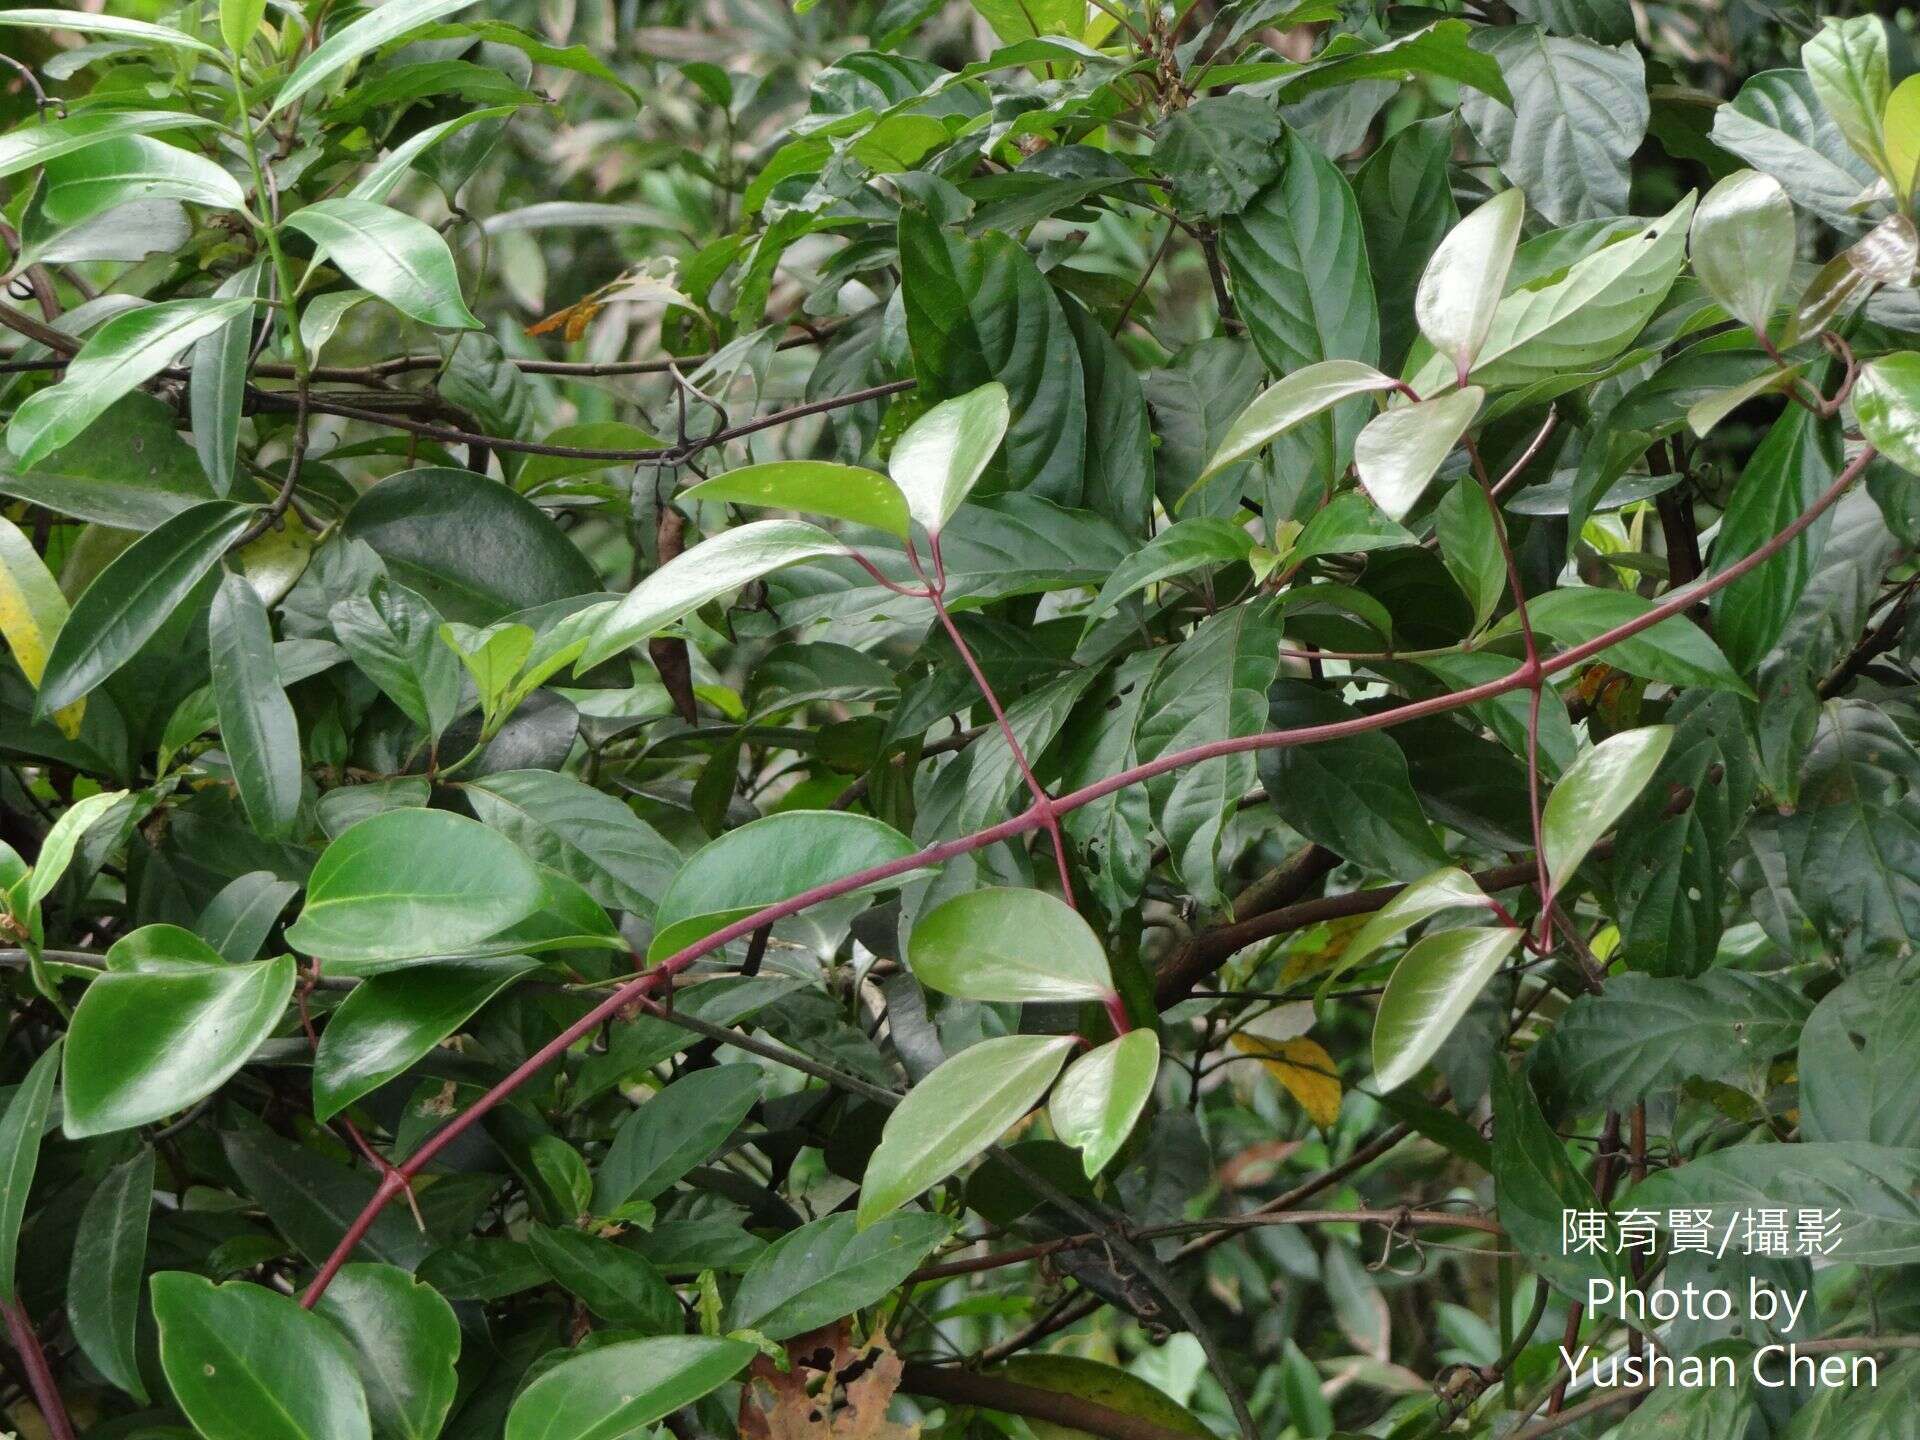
<point>404,1340</point>
<point>1595,792</point>
<point>1348,524</point>
<point>247,1363</point>
<point>339,51</point>
<point>966,1104</point>
<point>240,22</point>
<point>1448,889</point>
<point>623,1389</point>
<point>35,145</point>
<point>1399,451</point>
<point>117,172</point>
<point>133,597</point>
<point>56,851</point>
<point>32,611</point>
<point>1886,400</point>
<point>1901,132</point>
<point>412,884</point>
<point>1009,945</point>
<point>819,487</point>
<point>127,351</point>
<point>678,1129</point>
<point>1706,413</point>
<point>104,1279</point>
<point>391,1021</point>
<point>1466,277</point>
<point>492,657</point>
<point>1847,63</point>
<point>826,1270</point>
<point>1428,992</point>
<point>146,1044</point>
<point>402,260</point>
<point>704,573</point>
<point>21,1128</point>
<point>1300,396</point>
<point>107,27</point>
<point>1099,1099</point>
<point>939,458</point>
<point>257,724</point>
<point>764,862</point>
<point>1743,245</point>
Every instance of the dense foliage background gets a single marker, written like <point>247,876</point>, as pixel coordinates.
<point>714,715</point>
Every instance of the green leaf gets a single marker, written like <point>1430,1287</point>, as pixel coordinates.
<point>820,487</point>
<point>960,1109</point>
<point>1743,245</point>
<point>1595,792</point>
<point>1098,1101</point>
<point>408,884</point>
<point>613,1282</point>
<point>1886,400</point>
<point>676,1130</point>
<point>246,1363</point>
<point>1579,112</point>
<point>398,258</point>
<point>219,382</point>
<point>1219,152</point>
<point>588,836</point>
<point>1470,547</point>
<point>147,1044</point>
<point>311,1200</point>
<point>1009,945</point>
<point>1901,129</point>
<point>1348,524</point>
<point>104,1279</point>
<point>1847,65</point>
<point>392,635</point>
<point>32,612</point>
<point>1859,1061</point>
<point>1101,1384</point>
<point>1449,888</point>
<point>1297,260</point>
<point>1400,449</point>
<point>1844,1412</point>
<point>1305,393</point>
<point>125,352</point>
<point>979,311</point>
<point>1777,125</point>
<point>1406,208</point>
<point>21,1128</point>
<point>941,456</point>
<point>85,183</point>
<point>1647,1034</point>
<point>257,724</point>
<point>89,477</point>
<point>390,1022</point>
<point>1353,795</point>
<point>706,572</point>
<point>1183,546</point>
<point>62,840</point>
<point>1674,651</point>
<point>620,1390</point>
<point>764,862</point>
<point>1429,991</point>
<point>1463,283</point>
<point>34,145</point>
<point>387,172</point>
<point>240,22</point>
<point>828,1269</point>
<point>110,27</point>
<point>1535,1184</point>
<point>404,1339</point>
<point>345,47</point>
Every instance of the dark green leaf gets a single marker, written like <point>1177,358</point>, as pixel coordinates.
<point>104,1280</point>
<point>828,1269</point>
<point>257,724</point>
<point>676,1130</point>
<point>404,1341</point>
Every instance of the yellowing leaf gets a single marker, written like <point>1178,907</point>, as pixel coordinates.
<point>1304,1070</point>
<point>32,610</point>
<point>1327,943</point>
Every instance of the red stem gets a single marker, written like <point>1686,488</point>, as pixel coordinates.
<point>1035,818</point>
<point>46,1394</point>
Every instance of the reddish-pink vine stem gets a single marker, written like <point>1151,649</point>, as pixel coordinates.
<point>1034,818</point>
<point>46,1394</point>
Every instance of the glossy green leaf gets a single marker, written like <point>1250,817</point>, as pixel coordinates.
<point>1467,276</point>
<point>819,487</point>
<point>247,1363</point>
<point>218,389</point>
<point>705,572</point>
<point>827,1269</point>
<point>1535,1182</point>
<point>35,145</point>
<point>1303,394</point>
<point>1848,65</point>
<point>404,1339</point>
<point>1098,1101</point>
<point>146,1044</point>
<point>1428,993</point>
<point>388,171</point>
<point>398,258</point>
<point>1449,888</point>
<point>1886,400</point>
<point>939,458</point>
<point>1595,792</point>
<point>391,1021</point>
<point>62,840</point>
<point>240,22</point>
<point>1400,449</point>
<point>84,183</point>
<point>590,837</point>
<point>393,636</point>
<point>1180,548</point>
<point>1900,130</point>
<point>1743,245</point>
<point>621,1390</point>
<point>764,862</point>
<point>105,1279</point>
<point>348,45</point>
<point>613,1282</point>
<point>408,884</point>
<point>1406,208</point>
<point>1101,1384</point>
<point>1469,539</point>
<point>1674,651</point>
<point>311,1199</point>
<point>677,1129</point>
<point>1009,945</point>
<point>127,351</point>
<point>257,724</point>
<point>952,1115</point>
<point>21,1127</point>
<point>108,27</point>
